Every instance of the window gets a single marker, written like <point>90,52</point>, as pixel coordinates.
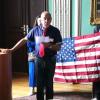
<point>61,16</point>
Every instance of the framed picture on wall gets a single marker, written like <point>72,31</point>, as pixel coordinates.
<point>95,12</point>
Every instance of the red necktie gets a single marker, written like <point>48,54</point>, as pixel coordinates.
<point>41,47</point>
<point>41,50</point>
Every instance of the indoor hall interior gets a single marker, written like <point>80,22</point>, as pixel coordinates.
<point>20,86</point>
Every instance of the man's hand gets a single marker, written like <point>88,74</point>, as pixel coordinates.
<point>55,47</point>
<point>46,45</point>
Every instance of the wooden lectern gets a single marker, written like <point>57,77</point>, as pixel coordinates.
<point>5,76</point>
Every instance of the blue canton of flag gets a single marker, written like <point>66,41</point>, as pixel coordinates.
<point>67,51</point>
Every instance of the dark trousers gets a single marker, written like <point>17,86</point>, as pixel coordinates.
<point>96,90</point>
<point>44,75</point>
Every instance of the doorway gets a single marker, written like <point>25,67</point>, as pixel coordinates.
<point>17,15</point>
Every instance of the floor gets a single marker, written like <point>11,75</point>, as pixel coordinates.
<point>20,86</point>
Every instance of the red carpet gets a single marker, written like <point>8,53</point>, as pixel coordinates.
<point>63,96</point>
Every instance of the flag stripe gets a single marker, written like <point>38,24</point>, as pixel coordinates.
<point>97,50</point>
<point>87,69</point>
<point>87,43</point>
<point>79,73</point>
<point>78,66</point>
<point>63,80</point>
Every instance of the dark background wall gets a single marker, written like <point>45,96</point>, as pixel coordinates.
<point>13,15</point>
<point>1,24</point>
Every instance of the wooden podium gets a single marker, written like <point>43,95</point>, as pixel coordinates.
<point>5,77</point>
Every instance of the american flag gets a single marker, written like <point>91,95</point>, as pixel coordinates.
<point>79,59</point>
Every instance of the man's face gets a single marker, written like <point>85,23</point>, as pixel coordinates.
<point>45,20</point>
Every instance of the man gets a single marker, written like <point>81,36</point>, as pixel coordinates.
<point>46,38</point>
